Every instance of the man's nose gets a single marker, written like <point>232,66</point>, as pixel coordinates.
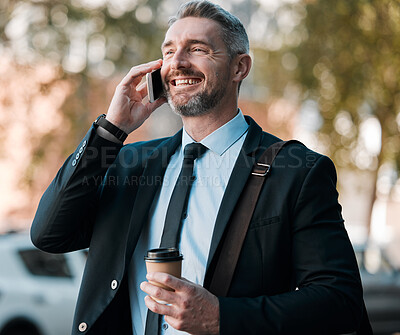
<point>180,60</point>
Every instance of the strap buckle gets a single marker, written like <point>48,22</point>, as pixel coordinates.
<point>261,169</point>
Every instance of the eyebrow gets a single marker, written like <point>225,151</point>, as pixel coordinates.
<point>170,42</point>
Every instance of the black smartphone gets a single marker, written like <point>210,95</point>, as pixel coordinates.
<point>154,85</point>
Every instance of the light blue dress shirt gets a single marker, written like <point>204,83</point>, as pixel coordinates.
<point>212,173</point>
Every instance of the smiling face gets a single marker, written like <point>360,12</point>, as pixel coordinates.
<point>196,66</point>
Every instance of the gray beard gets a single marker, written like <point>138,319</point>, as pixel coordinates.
<point>200,104</point>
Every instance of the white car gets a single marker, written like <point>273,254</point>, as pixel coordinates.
<point>38,290</point>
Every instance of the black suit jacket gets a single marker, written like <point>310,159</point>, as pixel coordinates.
<point>296,273</point>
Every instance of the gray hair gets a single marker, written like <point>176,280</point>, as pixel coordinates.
<point>233,33</point>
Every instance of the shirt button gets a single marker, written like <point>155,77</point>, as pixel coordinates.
<point>184,215</point>
<point>165,326</point>
<point>80,150</point>
<point>114,284</point>
<point>84,143</point>
<point>74,162</point>
<point>82,327</point>
<point>77,156</point>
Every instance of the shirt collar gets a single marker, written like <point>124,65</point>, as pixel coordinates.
<point>224,137</point>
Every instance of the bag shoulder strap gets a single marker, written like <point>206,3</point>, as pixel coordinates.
<point>240,220</point>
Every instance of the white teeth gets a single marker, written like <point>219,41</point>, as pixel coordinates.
<point>179,82</point>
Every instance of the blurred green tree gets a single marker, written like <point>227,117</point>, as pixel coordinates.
<point>85,45</point>
<point>350,66</point>
<point>339,57</point>
<point>85,39</point>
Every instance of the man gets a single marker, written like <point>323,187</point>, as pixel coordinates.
<point>296,273</point>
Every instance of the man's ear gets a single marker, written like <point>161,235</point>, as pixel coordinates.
<point>242,66</point>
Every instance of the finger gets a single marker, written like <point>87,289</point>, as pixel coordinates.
<point>165,278</point>
<point>140,70</point>
<point>174,322</point>
<point>135,82</point>
<point>142,89</point>
<point>137,72</point>
<point>156,292</point>
<point>155,307</point>
<point>159,102</point>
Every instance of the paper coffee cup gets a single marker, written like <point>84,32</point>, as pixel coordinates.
<point>167,260</point>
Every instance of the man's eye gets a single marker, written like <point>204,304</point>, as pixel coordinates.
<point>198,50</point>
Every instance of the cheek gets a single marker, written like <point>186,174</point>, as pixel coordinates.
<point>165,67</point>
<point>164,72</point>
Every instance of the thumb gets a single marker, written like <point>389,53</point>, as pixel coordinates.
<point>159,102</point>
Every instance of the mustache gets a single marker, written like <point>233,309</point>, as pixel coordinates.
<point>183,72</point>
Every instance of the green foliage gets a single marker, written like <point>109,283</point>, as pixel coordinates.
<point>351,62</point>
<point>88,41</point>
<point>342,54</point>
<point>94,40</point>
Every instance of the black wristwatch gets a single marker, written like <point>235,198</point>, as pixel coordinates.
<point>107,125</point>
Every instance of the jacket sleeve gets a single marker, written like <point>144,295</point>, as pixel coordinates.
<point>327,295</point>
<point>67,210</point>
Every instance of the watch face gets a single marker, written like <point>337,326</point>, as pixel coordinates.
<point>99,117</point>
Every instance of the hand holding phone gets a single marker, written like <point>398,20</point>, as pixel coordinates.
<point>127,109</point>
<point>154,85</point>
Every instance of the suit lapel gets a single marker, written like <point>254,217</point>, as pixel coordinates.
<point>155,168</point>
<point>237,181</point>
<point>150,182</point>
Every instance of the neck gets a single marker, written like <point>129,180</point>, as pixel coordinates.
<point>199,127</point>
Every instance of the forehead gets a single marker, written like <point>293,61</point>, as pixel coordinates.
<point>194,29</point>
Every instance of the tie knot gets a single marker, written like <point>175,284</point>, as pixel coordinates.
<point>193,151</point>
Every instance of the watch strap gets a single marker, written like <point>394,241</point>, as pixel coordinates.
<point>107,125</point>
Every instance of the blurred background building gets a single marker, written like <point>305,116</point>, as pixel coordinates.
<point>325,72</point>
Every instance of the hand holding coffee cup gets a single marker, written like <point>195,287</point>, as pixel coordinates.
<point>167,260</point>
